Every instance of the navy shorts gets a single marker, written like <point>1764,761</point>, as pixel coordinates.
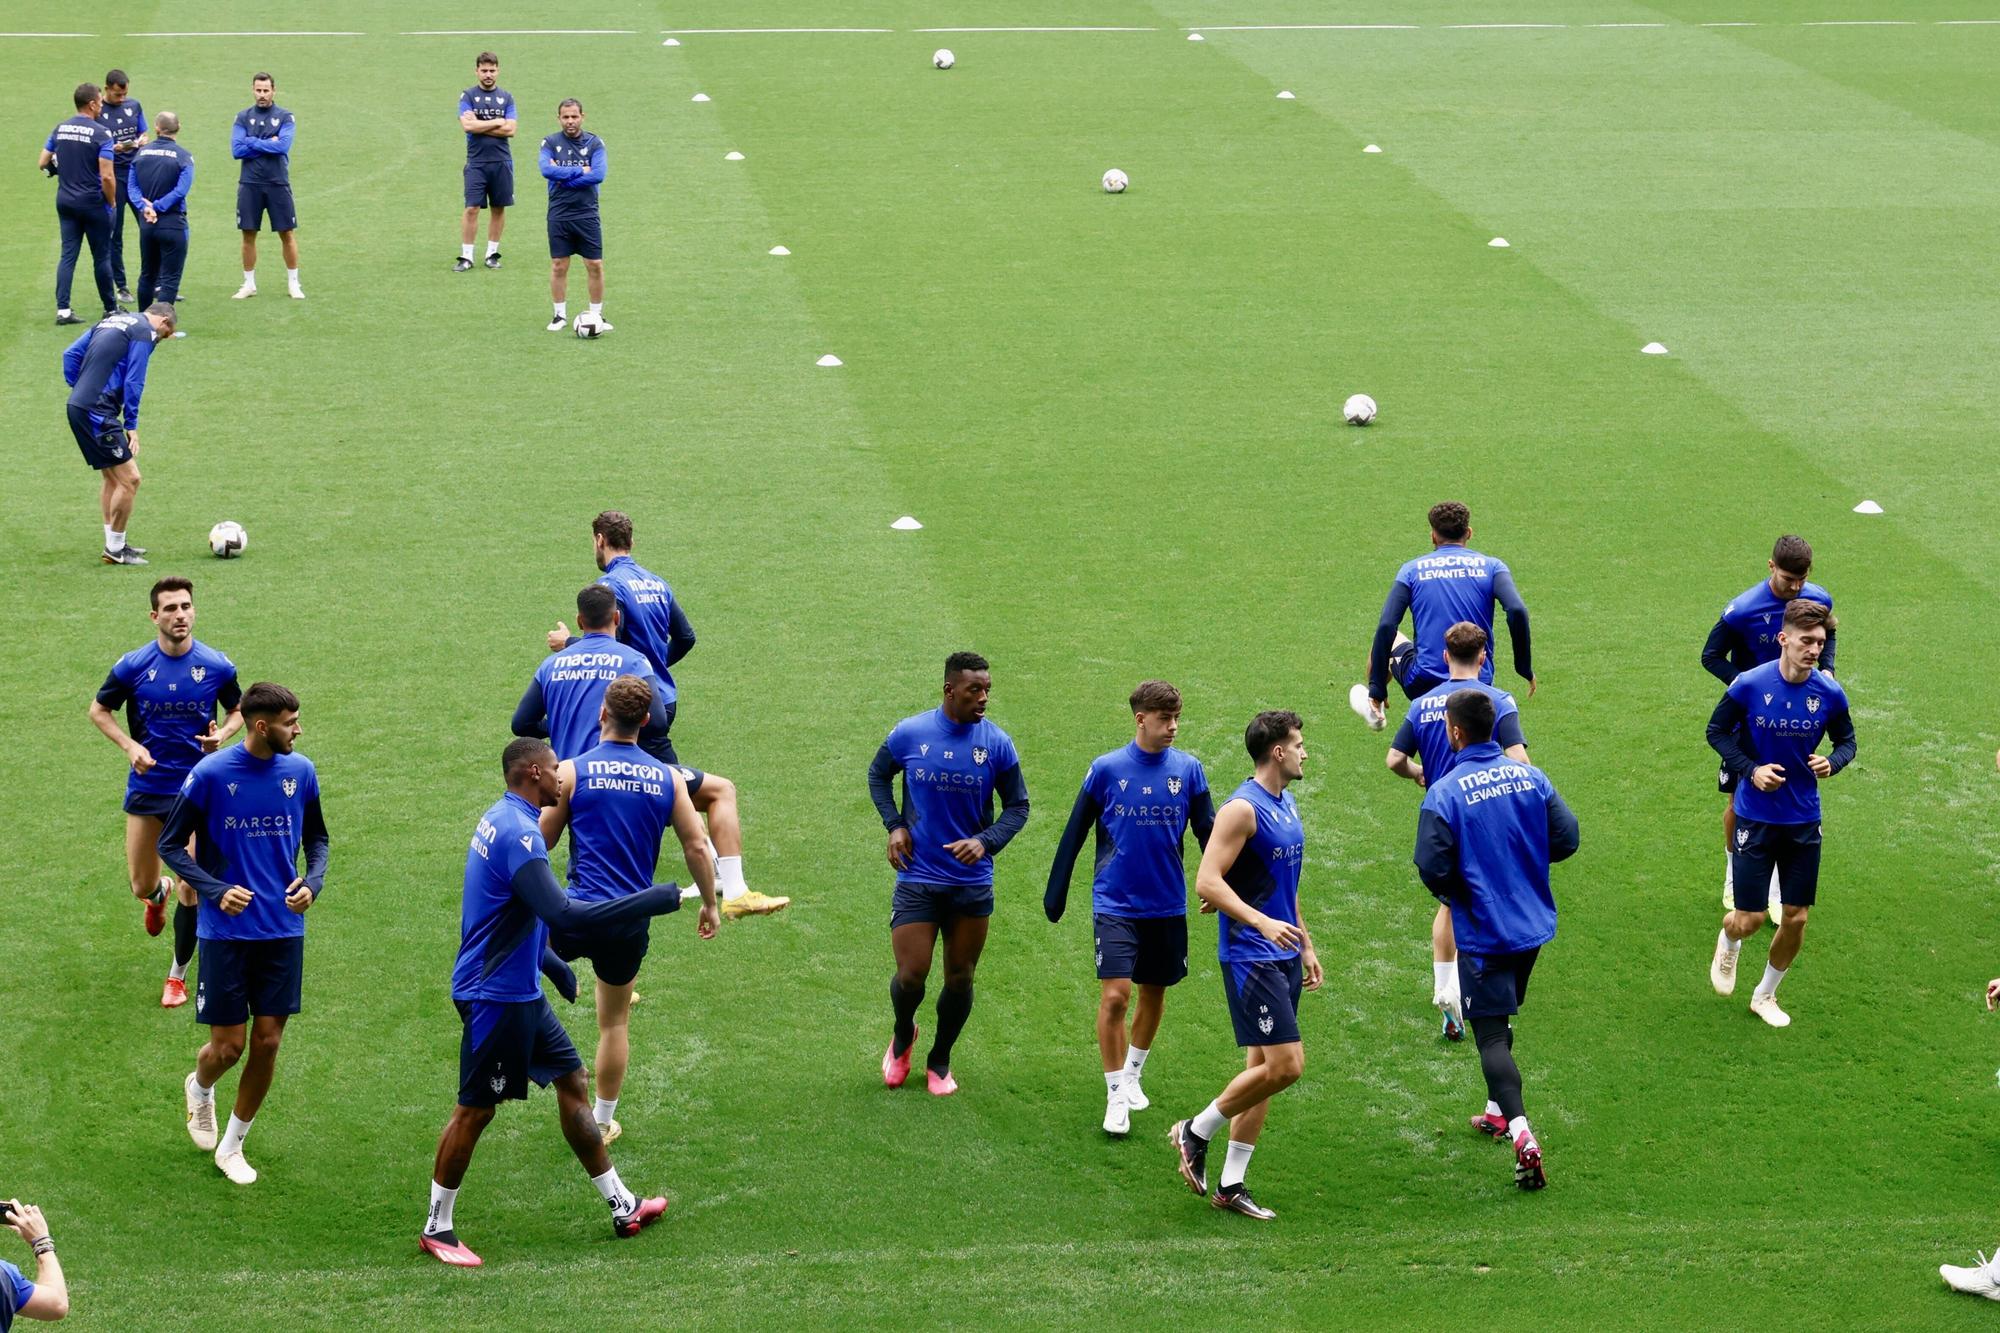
<point>254,202</point>
<point>939,903</point>
<point>1402,666</point>
<point>1725,782</point>
<point>104,443</point>
<point>1264,1000</point>
<point>244,977</point>
<point>489,184</point>
<point>151,804</point>
<point>1791,849</point>
<point>1150,950</point>
<point>614,957</point>
<point>505,1045</point>
<point>691,776</point>
<point>1493,985</point>
<point>575,236</point>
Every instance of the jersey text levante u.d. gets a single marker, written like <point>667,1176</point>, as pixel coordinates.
<point>169,702</point>
<point>951,773</point>
<point>1486,837</point>
<point>1140,806</point>
<point>619,809</point>
<point>649,618</point>
<point>1452,583</point>
<point>564,699</point>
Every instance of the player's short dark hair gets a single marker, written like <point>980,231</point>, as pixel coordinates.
<point>595,606</point>
<point>629,699</point>
<point>86,93</point>
<point>164,309</point>
<point>116,79</point>
<point>262,77</point>
<point>568,101</point>
<point>486,58</point>
<point>172,583</point>
<point>1801,614</point>
<point>1156,696</point>
<point>615,527</point>
<point>266,699</point>
<point>1268,728</point>
<point>520,752</point>
<point>1792,554</point>
<point>1451,520</point>
<point>1464,642</point>
<point>958,662</point>
<point>1471,711</point>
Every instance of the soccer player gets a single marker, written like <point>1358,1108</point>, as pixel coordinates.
<point>1767,728</point>
<point>1141,799</point>
<point>1422,752</point>
<point>158,182</point>
<point>942,841</point>
<point>254,808</point>
<point>617,802</point>
<point>1250,875</point>
<point>573,163</point>
<point>1489,831</point>
<point>511,1035</point>
<point>79,155</point>
<point>121,114</point>
<point>106,371</point>
<point>170,690</point>
<point>262,141</point>
<point>1984,1278</point>
<point>1746,635</point>
<point>45,1298</point>
<point>486,114</point>
<point>564,699</point>
<point>1452,583</point>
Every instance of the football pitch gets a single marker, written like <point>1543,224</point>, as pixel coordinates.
<point>1117,419</point>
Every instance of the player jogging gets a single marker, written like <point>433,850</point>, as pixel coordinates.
<point>1140,799</point>
<point>1745,636</point>
<point>486,114</point>
<point>1489,831</point>
<point>170,690</point>
<point>1766,728</point>
<point>261,140</point>
<point>252,808</point>
<point>942,841</point>
<point>1250,875</point>
<point>564,700</point>
<point>573,163</point>
<point>511,1036</point>
<point>1422,752</point>
<point>617,802</point>
<point>105,369</point>
<point>1452,583</point>
<point>79,154</point>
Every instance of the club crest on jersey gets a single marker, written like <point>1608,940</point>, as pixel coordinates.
<point>1812,703</point>
<point>498,1082</point>
<point>978,755</point>
<point>1742,838</point>
<point>198,673</point>
<point>1265,1024</point>
<point>1173,786</point>
<point>290,785</point>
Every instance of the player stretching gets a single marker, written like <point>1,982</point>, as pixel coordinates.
<point>1766,728</point>
<point>106,371</point>
<point>511,1035</point>
<point>1489,830</point>
<point>1250,874</point>
<point>574,164</point>
<point>486,114</point>
<point>1422,752</point>
<point>1746,635</point>
<point>617,801</point>
<point>169,690</point>
<point>942,841</point>
<point>253,807</point>
<point>1452,583</point>
<point>1141,799</point>
<point>564,700</point>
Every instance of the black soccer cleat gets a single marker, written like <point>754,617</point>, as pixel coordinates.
<point>1236,1199</point>
<point>68,317</point>
<point>493,260</point>
<point>463,265</point>
<point>124,556</point>
<point>1191,1152</point>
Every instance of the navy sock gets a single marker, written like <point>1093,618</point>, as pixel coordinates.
<point>953,1008</point>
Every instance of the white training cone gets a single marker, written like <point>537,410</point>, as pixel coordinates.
<point>1654,349</point>
<point>732,157</point>
<point>906,524</point>
<point>1498,243</point>
<point>1286,96</point>
<point>1868,507</point>
<point>1196,37</point>
<point>1371,148</point>
<point>779,250</point>
<point>828,360</point>
<point>699,97</point>
<point>671,41</point>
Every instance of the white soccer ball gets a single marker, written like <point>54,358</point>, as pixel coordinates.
<point>228,539</point>
<point>1359,410</point>
<point>1115,181</point>
<point>588,325</point>
<point>943,58</point>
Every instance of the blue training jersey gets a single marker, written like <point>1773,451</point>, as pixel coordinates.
<point>169,702</point>
<point>1424,725</point>
<point>950,771</point>
<point>262,140</point>
<point>579,165</point>
<point>485,149</point>
<point>106,367</point>
<point>127,125</point>
<point>500,937</point>
<point>254,828</point>
<point>649,618</point>
<point>162,173</point>
<point>1784,725</point>
<point>1754,619</point>
<point>1265,875</point>
<point>573,680</point>
<point>79,144</point>
<point>619,809</point>
<point>1497,812</point>
<point>1451,584</point>
<point>1143,802</point>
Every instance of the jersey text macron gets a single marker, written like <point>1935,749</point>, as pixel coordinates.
<point>619,810</point>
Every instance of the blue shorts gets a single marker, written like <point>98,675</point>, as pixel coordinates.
<point>1150,950</point>
<point>104,443</point>
<point>239,978</point>
<point>1264,1000</point>
<point>505,1045</point>
<point>151,804</point>
<point>939,903</point>
<point>253,202</point>
<point>489,184</point>
<point>1792,849</point>
<point>1402,666</point>
<point>1494,985</point>
<point>614,957</point>
<point>583,237</point>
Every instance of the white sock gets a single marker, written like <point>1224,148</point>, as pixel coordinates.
<point>1492,1108</point>
<point>604,1110</point>
<point>1772,976</point>
<point>441,1201</point>
<point>465,252</point>
<point>1236,1162</point>
<point>597,308</point>
<point>492,248</point>
<point>562,310</point>
<point>1210,1122</point>
<point>1135,1060</point>
<point>113,539</point>
<point>292,276</point>
<point>232,1138</point>
<point>729,877</point>
<point>249,277</point>
<point>614,1192</point>
<point>178,971</point>
<point>202,1094</point>
<point>1444,976</point>
<point>1111,1081</point>
<point>1734,946</point>
<point>1518,1126</point>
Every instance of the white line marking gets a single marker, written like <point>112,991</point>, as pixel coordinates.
<point>725,32</point>
<point>246,34</point>
<point>1034,30</point>
<point>47,34</point>
<point>1856,23</point>
<point>1506,25</point>
<point>1967,23</point>
<point>1626,25</point>
<point>523,32</point>
<point>1729,25</point>
<point>1310,27</point>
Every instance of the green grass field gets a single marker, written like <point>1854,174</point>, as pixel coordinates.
<point>1118,420</point>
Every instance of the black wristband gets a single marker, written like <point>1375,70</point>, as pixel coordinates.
<point>46,1245</point>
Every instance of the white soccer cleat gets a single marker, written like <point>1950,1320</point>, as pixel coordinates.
<point>1134,1095</point>
<point>1984,1280</point>
<point>296,292</point>
<point>1117,1115</point>
<point>1766,1008</point>
<point>200,1117</point>
<point>557,324</point>
<point>239,1171</point>
<point>609,1130</point>
<point>1357,699</point>
<point>245,292</point>
<point>1722,969</point>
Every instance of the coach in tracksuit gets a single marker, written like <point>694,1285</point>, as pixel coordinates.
<point>78,154</point>
<point>162,174</point>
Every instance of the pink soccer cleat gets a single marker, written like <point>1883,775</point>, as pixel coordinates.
<point>631,1224</point>
<point>1493,1126</point>
<point>448,1250</point>
<point>896,1068</point>
<point>941,1085</point>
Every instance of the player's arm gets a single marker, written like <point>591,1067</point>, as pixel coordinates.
<point>468,121</point>
<point>594,173</point>
<point>107,174</point>
<point>1565,836</point>
<point>182,184</point>
<point>47,160</point>
<point>535,884</point>
<point>73,357</point>
<point>1509,597</point>
<point>112,696</point>
<point>1201,817</point>
<point>882,770</point>
<point>657,721</point>
<point>304,891</point>
<point>1012,788</point>
<point>282,145</point>
<point>1233,826</point>
<point>1839,730</point>
<point>137,356</point>
<point>694,850</point>
<point>552,169</point>
<point>239,140</point>
<point>1507,735</point>
<point>132,190</point>
<point>555,818</point>
<point>1402,754</point>
<point>1436,857</point>
<point>559,972</point>
<point>1718,655</point>
<point>1391,620</point>
<point>1725,735</point>
<point>183,822</point>
<point>50,1298</point>
<point>531,714</point>
<point>680,633</point>
<point>230,696</point>
<point>1082,817</point>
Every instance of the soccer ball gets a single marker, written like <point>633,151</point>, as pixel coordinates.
<point>1115,181</point>
<point>943,59</point>
<point>588,325</point>
<point>1359,410</point>
<point>228,539</point>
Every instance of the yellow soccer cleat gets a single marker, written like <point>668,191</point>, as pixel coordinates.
<point>752,903</point>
